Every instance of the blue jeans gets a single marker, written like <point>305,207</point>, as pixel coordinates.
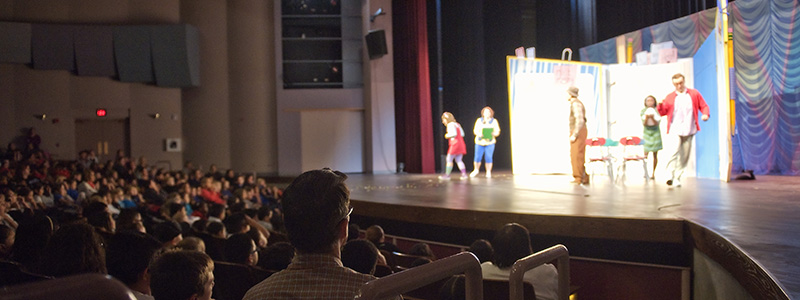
<point>480,150</point>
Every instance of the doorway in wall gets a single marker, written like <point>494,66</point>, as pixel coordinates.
<point>104,137</point>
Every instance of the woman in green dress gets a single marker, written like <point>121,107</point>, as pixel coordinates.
<point>652,131</point>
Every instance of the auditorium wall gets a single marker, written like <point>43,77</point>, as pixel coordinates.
<point>65,97</point>
<point>228,120</point>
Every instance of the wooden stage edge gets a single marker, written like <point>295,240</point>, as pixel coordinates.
<point>745,226</point>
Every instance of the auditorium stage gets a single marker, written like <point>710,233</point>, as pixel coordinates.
<point>748,227</point>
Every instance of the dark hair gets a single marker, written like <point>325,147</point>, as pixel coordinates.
<point>179,274</point>
<point>422,249</point>
<point>214,228</point>
<point>238,248</point>
<point>216,210</point>
<point>314,204</point>
<point>74,249</point>
<point>31,238</point>
<point>420,261</point>
<point>235,223</point>
<point>360,255</point>
<point>199,226</point>
<point>128,254</point>
<point>277,256</point>
<point>100,219</point>
<point>127,220</point>
<point>654,100</point>
<point>94,207</point>
<point>482,249</point>
<point>353,231</point>
<point>511,243</point>
<point>173,208</point>
<point>263,212</point>
<point>166,231</point>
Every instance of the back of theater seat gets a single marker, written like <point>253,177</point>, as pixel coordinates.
<point>84,287</point>
<point>231,281</point>
<point>499,290</point>
<point>12,273</point>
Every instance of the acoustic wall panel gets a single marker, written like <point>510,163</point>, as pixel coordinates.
<point>175,55</point>
<point>52,47</point>
<point>132,53</point>
<point>94,51</point>
<point>15,42</point>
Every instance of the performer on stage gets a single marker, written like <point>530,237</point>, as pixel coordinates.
<point>486,129</point>
<point>457,149</point>
<point>577,137</point>
<point>652,131</point>
<point>681,109</point>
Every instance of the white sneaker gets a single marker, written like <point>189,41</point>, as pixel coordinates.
<point>474,173</point>
<point>677,182</point>
<point>488,174</point>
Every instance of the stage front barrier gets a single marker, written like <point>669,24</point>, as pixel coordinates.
<point>557,252</point>
<point>411,279</point>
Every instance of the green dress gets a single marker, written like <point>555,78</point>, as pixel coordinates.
<point>651,135</point>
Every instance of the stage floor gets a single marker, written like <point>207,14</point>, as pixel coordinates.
<point>759,216</point>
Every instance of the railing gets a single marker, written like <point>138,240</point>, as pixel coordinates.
<point>411,279</point>
<point>529,262</point>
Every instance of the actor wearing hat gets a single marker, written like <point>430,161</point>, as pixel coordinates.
<point>577,137</point>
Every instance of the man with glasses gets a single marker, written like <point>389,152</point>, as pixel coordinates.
<point>316,215</point>
<point>681,109</point>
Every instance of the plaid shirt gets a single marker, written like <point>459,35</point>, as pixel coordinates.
<point>311,276</point>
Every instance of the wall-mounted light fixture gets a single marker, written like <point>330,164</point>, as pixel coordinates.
<point>40,116</point>
<point>155,115</point>
<point>377,13</point>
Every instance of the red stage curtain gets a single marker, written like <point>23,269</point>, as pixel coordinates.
<point>412,86</point>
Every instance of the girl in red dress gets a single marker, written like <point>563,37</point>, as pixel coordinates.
<point>457,149</point>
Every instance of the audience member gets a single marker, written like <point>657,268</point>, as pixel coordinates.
<point>6,241</point>
<point>277,256</point>
<point>511,243</point>
<point>316,216</point>
<point>215,240</point>
<point>353,232</point>
<point>237,223</point>
<point>376,236</point>
<point>168,233</point>
<point>216,213</point>
<point>130,220</point>
<point>32,237</point>
<point>482,249</point>
<point>191,243</point>
<point>420,261</point>
<point>240,249</point>
<point>182,275</point>
<point>422,249</point>
<point>264,217</point>
<point>127,256</point>
<point>360,255</point>
<point>74,249</point>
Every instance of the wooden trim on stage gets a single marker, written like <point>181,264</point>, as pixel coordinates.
<point>749,273</point>
<point>639,230</point>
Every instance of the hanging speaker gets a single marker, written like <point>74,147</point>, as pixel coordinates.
<point>376,43</point>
